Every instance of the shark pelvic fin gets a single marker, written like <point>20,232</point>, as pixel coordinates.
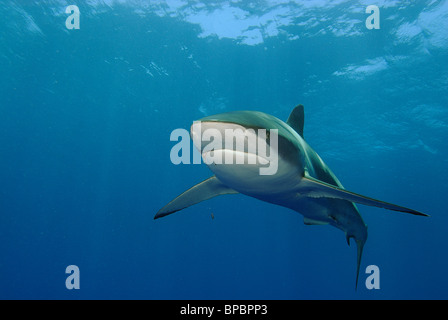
<point>204,190</point>
<point>312,222</point>
<point>320,189</point>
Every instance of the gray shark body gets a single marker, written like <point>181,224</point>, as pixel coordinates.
<point>303,182</point>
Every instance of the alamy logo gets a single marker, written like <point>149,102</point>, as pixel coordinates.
<point>227,146</point>
<point>373,21</point>
<point>72,281</point>
<point>373,280</point>
<point>72,21</point>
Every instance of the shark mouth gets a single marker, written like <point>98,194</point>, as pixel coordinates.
<point>227,156</point>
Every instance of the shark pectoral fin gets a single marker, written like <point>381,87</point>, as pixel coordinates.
<point>204,190</point>
<point>318,189</point>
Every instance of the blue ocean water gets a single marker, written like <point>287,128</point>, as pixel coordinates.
<point>85,121</point>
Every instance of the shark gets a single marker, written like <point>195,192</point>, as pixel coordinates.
<point>302,181</point>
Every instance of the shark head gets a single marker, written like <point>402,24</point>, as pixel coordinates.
<point>251,152</point>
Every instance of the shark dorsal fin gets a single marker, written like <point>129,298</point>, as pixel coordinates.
<point>296,119</point>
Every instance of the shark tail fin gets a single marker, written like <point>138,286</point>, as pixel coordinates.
<point>204,190</point>
<point>360,247</point>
